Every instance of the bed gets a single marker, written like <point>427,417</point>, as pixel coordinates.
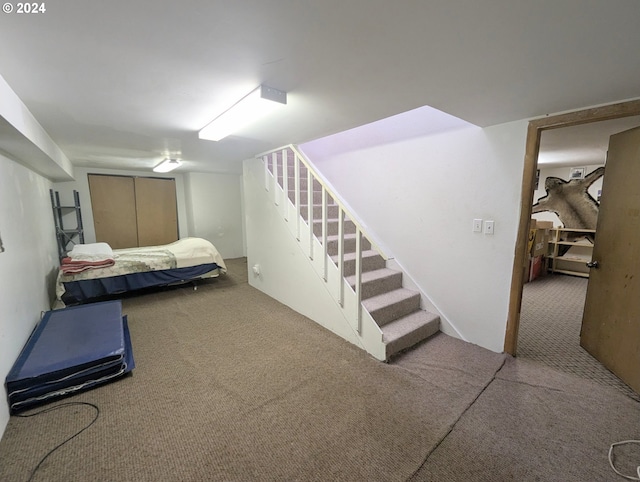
<point>95,271</point>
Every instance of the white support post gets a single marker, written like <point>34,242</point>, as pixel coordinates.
<point>310,208</point>
<point>274,158</point>
<point>296,168</point>
<point>358,281</point>
<point>285,184</point>
<point>341,256</point>
<point>325,229</point>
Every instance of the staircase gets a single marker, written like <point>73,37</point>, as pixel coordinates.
<point>394,311</point>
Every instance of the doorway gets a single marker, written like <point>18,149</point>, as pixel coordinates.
<point>535,130</point>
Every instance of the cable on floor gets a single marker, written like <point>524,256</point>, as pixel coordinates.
<point>51,409</point>
<point>611,457</point>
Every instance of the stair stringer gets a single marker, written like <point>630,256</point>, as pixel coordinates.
<point>292,266</point>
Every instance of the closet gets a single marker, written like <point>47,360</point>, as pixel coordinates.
<point>133,211</point>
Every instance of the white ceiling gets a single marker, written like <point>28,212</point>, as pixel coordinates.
<point>122,84</point>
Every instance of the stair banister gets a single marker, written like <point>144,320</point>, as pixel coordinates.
<point>313,175</point>
<point>391,322</point>
<point>323,183</point>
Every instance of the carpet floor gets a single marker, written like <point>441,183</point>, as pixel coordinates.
<point>550,322</point>
<point>231,385</point>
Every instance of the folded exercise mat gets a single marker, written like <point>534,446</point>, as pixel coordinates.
<point>71,349</point>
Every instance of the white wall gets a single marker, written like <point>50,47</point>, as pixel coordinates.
<point>419,196</point>
<point>562,173</point>
<point>214,211</point>
<point>29,263</point>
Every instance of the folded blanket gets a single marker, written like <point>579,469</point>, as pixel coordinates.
<point>70,265</point>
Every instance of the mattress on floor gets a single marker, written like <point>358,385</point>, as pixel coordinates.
<point>70,350</point>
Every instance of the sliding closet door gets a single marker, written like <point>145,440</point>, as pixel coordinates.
<point>156,211</point>
<point>134,211</point>
<point>114,210</point>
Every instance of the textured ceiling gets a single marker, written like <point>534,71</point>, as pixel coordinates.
<point>122,84</point>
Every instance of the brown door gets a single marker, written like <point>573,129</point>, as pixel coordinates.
<point>156,211</point>
<point>114,210</point>
<point>611,321</point>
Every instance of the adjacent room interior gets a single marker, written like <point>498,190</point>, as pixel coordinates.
<point>553,305</point>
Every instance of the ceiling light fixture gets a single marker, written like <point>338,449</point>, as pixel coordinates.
<point>247,110</point>
<point>167,165</point>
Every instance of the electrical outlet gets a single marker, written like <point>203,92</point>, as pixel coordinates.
<point>477,225</point>
<point>488,227</point>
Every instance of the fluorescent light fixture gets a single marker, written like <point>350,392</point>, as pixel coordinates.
<point>255,105</point>
<point>167,165</point>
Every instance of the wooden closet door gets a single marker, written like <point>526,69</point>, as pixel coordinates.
<point>156,211</point>
<point>114,210</point>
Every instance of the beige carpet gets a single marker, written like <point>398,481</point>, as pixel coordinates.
<point>230,385</point>
<point>550,322</point>
<point>534,424</point>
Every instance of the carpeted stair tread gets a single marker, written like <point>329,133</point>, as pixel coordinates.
<point>377,282</point>
<point>332,210</point>
<point>333,227</point>
<point>389,306</point>
<point>365,254</point>
<point>409,330</point>
<point>371,260</point>
<point>374,275</point>
<point>349,244</point>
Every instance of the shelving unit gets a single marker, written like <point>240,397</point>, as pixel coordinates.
<point>66,236</point>
<point>561,260</point>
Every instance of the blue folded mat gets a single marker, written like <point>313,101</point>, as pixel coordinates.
<point>70,350</point>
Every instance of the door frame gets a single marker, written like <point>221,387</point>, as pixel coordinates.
<point>532,148</point>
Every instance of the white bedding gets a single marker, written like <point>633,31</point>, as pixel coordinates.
<point>187,252</point>
<point>183,253</point>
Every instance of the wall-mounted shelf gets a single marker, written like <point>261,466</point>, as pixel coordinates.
<point>67,237</point>
<point>570,251</point>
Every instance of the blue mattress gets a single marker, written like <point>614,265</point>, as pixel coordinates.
<point>70,350</point>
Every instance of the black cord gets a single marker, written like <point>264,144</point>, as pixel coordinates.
<point>50,409</point>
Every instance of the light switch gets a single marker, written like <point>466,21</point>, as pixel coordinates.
<point>477,225</point>
<point>488,227</point>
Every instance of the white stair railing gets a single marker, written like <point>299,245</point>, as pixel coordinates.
<point>276,162</point>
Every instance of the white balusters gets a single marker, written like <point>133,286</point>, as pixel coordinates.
<point>296,182</point>
<point>310,210</point>
<point>325,257</point>
<point>274,158</point>
<point>341,256</point>
<point>285,183</point>
<point>324,267</point>
<point>358,280</point>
